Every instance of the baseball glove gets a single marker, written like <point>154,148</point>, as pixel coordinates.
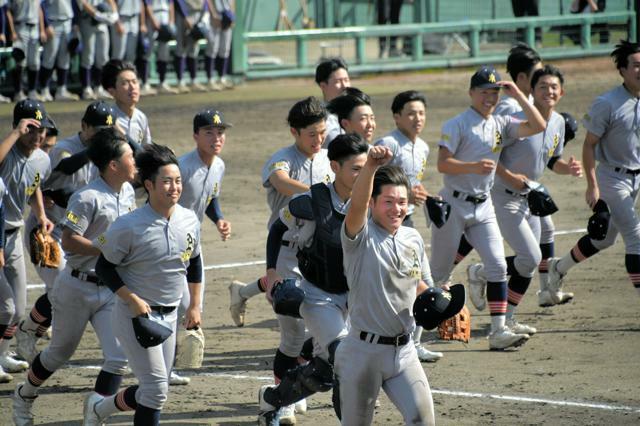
<point>191,349</point>
<point>457,327</point>
<point>44,250</point>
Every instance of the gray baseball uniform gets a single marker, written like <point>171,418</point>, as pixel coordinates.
<point>333,130</point>
<point>55,52</point>
<point>7,302</point>
<point>151,254</point>
<point>196,11</point>
<point>123,46</point>
<point>95,38</point>
<point>160,10</point>
<point>472,137</point>
<point>135,127</point>
<point>77,297</point>
<point>26,21</point>
<point>382,272</point>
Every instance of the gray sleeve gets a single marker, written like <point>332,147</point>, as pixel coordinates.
<point>274,164</point>
<point>115,244</point>
<point>351,244</point>
<point>426,269</point>
<point>450,137</point>
<point>597,120</point>
<point>389,143</point>
<point>79,213</point>
<point>509,126</point>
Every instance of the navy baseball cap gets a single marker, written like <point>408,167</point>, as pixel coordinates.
<point>99,114</point>
<point>209,117</point>
<point>485,77</point>
<point>30,108</point>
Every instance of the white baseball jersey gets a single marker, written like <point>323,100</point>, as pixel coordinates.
<point>135,127</point>
<point>333,130</point>
<point>200,183</point>
<point>90,212</point>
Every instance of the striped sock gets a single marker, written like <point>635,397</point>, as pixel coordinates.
<point>36,376</point>
<point>9,333</point>
<point>464,248</point>
<point>125,400</point>
<point>517,287</point>
<point>497,298</point>
<point>252,289</point>
<point>583,250</point>
<point>632,262</point>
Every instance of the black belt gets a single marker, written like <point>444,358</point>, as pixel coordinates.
<point>163,309</point>
<point>470,198</point>
<point>400,340</point>
<point>627,171</point>
<point>285,243</point>
<point>11,231</point>
<point>86,277</point>
<point>515,194</point>
<point>25,23</point>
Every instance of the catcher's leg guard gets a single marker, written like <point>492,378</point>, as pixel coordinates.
<point>301,382</point>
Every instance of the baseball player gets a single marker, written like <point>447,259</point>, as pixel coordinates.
<point>71,170</point>
<point>410,153</point>
<point>26,24</point>
<point>613,135</point>
<point>23,167</point>
<point>79,297</point>
<point>332,76</point>
<point>219,44</point>
<point>7,300</point>
<point>468,151</point>
<point>385,266</point>
<point>524,162</point>
<point>58,15</point>
<point>354,115</point>
<point>95,16</point>
<point>317,216</point>
<point>154,248</point>
<point>159,14</point>
<point>191,15</point>
<point>121,81</point>
<point>3,39</point>
<point>124,33</point>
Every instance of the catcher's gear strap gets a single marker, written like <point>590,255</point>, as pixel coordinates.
<point>213,211</point>
<point>70,165</point>
<point>274,241</point>
<point>194,270</point>
<point>1,225</point>
<point>107,273</point>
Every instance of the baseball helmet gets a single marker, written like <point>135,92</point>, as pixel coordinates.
<point>287,298</point>
<point>150,331</point>
<point>18,51</point>
<point>436,304</point>
<point>570,127</point>
<point>438,211</point>
<point>599,221</point>
<point>540,202</point>
<point>166,33</point>
<point>199,31</point>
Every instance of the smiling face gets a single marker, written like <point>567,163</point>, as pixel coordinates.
<point>631,73</point>
<point>361,121</point>
<point>389,208</point>
<point>127,89</point>
<point>548,92</point>
<point>32,140</point>
<point>410,121</point>
<point>309,139</point>
<point>164,191</point>
<point>484,100</point>
<point>210,140</point>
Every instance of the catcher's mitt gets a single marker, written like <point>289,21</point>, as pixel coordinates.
<point>457,327</point>
<point>191,349</point>
<point>44,250</point>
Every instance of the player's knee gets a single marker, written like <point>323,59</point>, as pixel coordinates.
<point>496,270</point>
<point>528,264</point>
<point>608,241</point>
<point>115,365</point>
<point>154,395</point>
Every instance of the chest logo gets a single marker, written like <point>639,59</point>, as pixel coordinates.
<point>420,174</point>
<point>36,182</point>
<point>186,254</point>
<point>497,142</point>
<point>101,239</point>
<point>556,141</point>
<point>414,271</point>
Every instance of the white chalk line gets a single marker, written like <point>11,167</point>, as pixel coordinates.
<point>480,395</point>
<point>36,286</point>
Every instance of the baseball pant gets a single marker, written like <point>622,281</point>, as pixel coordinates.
<point>162,51</point>
<point>74,304</point>
<point>219,43</point>
<point>363,368</point>
<point>124,46</point>
<point>520,229</point>
<point>151,366</point>
<point>95,44</point>
<point>15,273</point>
<point>547,230</point>
<point>31,38</point>
<point>7,304</point>
<point>55,51</point>
<point>478,223</point>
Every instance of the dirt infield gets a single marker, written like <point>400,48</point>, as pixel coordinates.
<point>581,368</point>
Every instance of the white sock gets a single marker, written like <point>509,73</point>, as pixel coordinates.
<point>511,309</point>
<point>544,280</point>
<point>250,290</point>
<point>497,322</point>
<point>29,324</point>
<point>28,390</point>
<point>565,263</point>
<point>417,334</point>
<point>107,407</point>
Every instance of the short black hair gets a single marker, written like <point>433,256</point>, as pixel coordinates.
<point>112,70</point>
<point>622,51</point>
<point>354,91</point>
<point>389,175</point>
<point>343,105</point>
<point>522,58</point>
<point>150,158</point>
<point>345,146</point>
<point>547,70</point>
<point>105,145</point>
<point>402,98</point>
<point>306,112</point>
<point>328,67</point>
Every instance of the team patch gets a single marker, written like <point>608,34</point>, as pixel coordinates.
<point>497,145</point>
<point>32,188</point>
<point>101,239</point>
<point>191,242</point>
<point>72,217</point>
<point>278,165</point>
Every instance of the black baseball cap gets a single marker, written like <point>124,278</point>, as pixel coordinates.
<point>99,114</point>
<point>209,117</point>
<point>485,77</point>
<point>30,108</point>
<point>53,130</point>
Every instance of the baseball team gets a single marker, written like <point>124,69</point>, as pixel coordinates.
<point>345,268</point>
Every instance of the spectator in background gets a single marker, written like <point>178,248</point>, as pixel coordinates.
<point>526,8</point>
<point>590,6</point>
<point>388,12</point>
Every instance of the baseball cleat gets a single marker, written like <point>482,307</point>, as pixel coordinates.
<point>62,94</point>
<point>545,299</point>
<point>177,380</point>
<point>165,89</point>
<point>197,87</point>
<point>12,365</point>
<point>214,86</point>
<point>518,328</point>
<point>147,90</point>
<point>237,304</point>
<point>477,286</point>
<point>88,94</point>
<point>5,377</point>
<point>227,83</point>
<point>183,88</point>
<point>301,406</point>
<point>26,343</point>
<point>425,355</point>
<point>504,338</point>
<point>46,96</point>
<point>33,94</point>
<point>22,408</point>
<point>90,416</point>
<point>555,281</point>
<point>288,415</point>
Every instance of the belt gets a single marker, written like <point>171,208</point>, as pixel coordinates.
<point>290,244</point>
<point>400,340</point>
<point>11,231</point>
<point>470,198</point>
<point>84,276</point>
<point>24,23</point>
<point>515,194</point>
<point>163,309</point>
<point>627,171</point>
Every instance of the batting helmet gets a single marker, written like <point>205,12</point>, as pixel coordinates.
<point>599,221</point>
<point>287,298</point>
<point>570,127</point>
<point>166,33</point>
<point>540,202</point>
<point>435,305</point>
